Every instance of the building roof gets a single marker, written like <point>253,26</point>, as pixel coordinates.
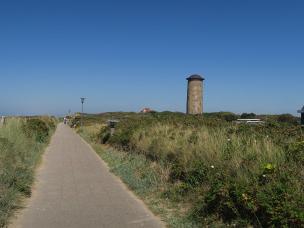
<point>195,77</point>
<point>145,110</point>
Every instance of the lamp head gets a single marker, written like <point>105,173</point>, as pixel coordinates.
<point>82,99</point>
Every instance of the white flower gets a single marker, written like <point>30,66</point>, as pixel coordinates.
<point>212,166</point>
<point>229,140</point>
<point>264,175</point>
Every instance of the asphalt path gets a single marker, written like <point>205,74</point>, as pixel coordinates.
<point>74,188</point>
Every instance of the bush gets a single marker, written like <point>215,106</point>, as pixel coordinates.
<point>287,118</point>
<point>248,115</point>
<point>75,121</point>
<point>228,116</point>
<point>36,128</point>
<point>104,135</point>
<point>281,200</point>
<point>275,199</point>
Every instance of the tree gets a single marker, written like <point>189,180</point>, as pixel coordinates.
<point>248,115</point>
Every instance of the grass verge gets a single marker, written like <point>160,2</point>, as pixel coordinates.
<point>211,171</point>
<point>22,141</point>
<point>146,179</point>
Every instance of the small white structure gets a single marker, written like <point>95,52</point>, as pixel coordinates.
<point>2,121</point>
<point>249,121</point>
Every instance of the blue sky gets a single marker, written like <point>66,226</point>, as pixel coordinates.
<point>125,55</point>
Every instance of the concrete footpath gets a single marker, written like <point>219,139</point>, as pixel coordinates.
<point>74,188</point>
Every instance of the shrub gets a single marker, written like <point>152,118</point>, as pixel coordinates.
<point>248,115</point>
<point>281,198</point>
<point>36,128</point>
<point>287,118</point>
<point>104,135</point>
<point>277,202</point>
<point>228,116</point>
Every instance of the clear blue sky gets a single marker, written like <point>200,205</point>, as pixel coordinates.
<point>125,55</point>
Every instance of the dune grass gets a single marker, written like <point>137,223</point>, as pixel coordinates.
<point>144,177</point>
<point>21,144</point>
<point>216,173</point>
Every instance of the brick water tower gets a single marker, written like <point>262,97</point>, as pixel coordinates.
<point>195,94</point>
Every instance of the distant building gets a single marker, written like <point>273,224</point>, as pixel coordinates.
<point>146,110</point>
<point>249,121</point>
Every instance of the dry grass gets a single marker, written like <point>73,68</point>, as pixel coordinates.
<point>213,146</point>
<point>221,173</point>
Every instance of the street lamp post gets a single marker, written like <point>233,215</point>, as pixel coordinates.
<point>82,101</point>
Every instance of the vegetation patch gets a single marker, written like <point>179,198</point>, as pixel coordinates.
<point>218,173</point>
<point>145,178</point>
<point>21,145</point>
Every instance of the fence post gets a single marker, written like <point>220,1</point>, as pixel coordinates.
<point>2,121</point>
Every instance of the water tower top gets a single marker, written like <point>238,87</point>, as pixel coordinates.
<point>302,110</point>
<point>195,77</point>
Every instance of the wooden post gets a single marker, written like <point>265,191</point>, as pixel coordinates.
<point>2,121</point>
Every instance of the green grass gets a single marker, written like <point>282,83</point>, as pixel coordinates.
<point>143,177</point>
<point>217,172</point>
<point>21,146</point>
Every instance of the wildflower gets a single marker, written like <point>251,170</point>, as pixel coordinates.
<point>264,175</point>
<point>228,140</point>
<point>269,166</point>
<point>245,197</point>
<point>212,166</point>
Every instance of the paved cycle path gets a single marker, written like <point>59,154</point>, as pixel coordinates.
<point>74,188</point>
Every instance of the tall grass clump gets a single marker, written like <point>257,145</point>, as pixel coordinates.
<point>229,174</point>
<point>21,145</point>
